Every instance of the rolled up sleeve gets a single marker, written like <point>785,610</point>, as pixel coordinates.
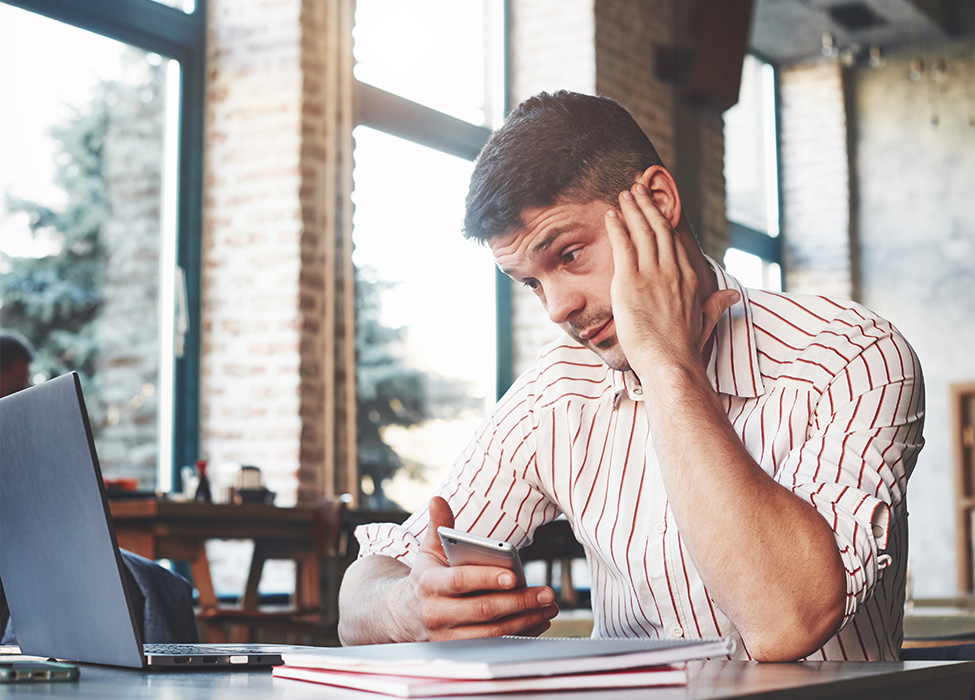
<point>860,451</point>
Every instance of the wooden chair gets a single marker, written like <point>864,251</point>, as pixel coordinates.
<point>307,619</point>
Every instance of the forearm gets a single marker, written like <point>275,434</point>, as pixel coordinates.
<point>370,600</point>
<point>768,559</point>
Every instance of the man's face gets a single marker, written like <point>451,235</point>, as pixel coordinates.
<point>563,254</point>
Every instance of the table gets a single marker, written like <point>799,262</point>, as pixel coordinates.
<point>178,530</point>
<point>708,680</point>
<point>939,621</point>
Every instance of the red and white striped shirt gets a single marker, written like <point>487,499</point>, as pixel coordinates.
<point>826,397</point>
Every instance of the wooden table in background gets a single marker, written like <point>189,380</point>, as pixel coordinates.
<point>179,530</point>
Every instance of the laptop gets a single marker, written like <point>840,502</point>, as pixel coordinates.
<point>59,559</point>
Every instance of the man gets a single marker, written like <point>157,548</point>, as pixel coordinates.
<point>16,355</point>
<point>733,461</point>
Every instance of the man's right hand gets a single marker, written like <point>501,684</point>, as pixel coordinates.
<point>384,600</point>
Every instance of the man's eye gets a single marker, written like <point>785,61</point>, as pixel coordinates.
<point>570,256</point>
<point>531,284</point>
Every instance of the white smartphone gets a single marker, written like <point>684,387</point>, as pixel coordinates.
<point>465,549</point>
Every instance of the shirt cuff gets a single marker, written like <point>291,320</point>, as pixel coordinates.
<point>388,540</point>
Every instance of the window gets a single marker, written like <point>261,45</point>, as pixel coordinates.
<point>428,76</point>
<point>751,177</point>
<point>98,216</point>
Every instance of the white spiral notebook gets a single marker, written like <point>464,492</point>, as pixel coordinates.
<point>508,657</point>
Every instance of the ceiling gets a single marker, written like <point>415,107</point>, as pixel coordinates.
<point>787,31</point>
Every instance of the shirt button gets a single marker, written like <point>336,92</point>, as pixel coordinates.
<point>878,531</point>
<point>660,528</point>
<point>638,391</point>
<point>677,631</point>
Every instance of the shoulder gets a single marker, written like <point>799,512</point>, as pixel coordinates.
<point>817,335</point>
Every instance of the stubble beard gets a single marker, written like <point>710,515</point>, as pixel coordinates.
<point>609,350</point>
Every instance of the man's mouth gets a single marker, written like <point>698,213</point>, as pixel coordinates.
<point>597,334</point>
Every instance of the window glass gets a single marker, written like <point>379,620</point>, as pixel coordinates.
<point>750,162</point>
<point>425,336</point>
<point>753,271</point>
<point>84,256</point>
<point>440,53</point>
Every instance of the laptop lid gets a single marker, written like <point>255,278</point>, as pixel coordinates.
<point>59,559</point>
<point>59,562</point>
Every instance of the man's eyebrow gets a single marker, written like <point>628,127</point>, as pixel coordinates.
<point>553,236</point>
<point>541,246</point>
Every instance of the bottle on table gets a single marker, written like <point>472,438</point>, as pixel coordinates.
<point>203,492</point>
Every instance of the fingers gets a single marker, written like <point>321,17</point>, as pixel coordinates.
<point>650,232</point>
<point>513,612</point>
<point>470,601</point>
<point>440,516</point>
<point>624,255</point>
<point>538,630</point>
<point>456,581</point>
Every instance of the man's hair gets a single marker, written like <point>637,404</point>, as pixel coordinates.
<point>561,147</point>
<point>13,347</point>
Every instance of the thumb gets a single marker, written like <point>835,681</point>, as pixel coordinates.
<point>713,308</point>
<point>440,516</point>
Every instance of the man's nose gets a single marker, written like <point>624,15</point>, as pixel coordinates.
<point>562,300</point>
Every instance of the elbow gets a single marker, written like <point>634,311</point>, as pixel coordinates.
<point>795,641</point>
<point>795,633</point>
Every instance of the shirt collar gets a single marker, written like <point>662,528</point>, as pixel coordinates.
<point>733,368</point>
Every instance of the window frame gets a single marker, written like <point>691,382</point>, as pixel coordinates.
<point>181,36</point>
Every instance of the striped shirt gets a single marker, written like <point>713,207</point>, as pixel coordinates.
<point>827,398</point>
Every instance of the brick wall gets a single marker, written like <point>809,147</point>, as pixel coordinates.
<point>277,377</point>
<point>251,322</point>
<point>815,181</point>
<point>550,47</point>
<point>627,34</point>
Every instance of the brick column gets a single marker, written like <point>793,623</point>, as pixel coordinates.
<point>276,369</point>
<point>815,179</point>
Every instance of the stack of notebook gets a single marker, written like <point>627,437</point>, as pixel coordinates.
<point>503,664</point>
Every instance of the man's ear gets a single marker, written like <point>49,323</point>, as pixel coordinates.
<point>663,192</point>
